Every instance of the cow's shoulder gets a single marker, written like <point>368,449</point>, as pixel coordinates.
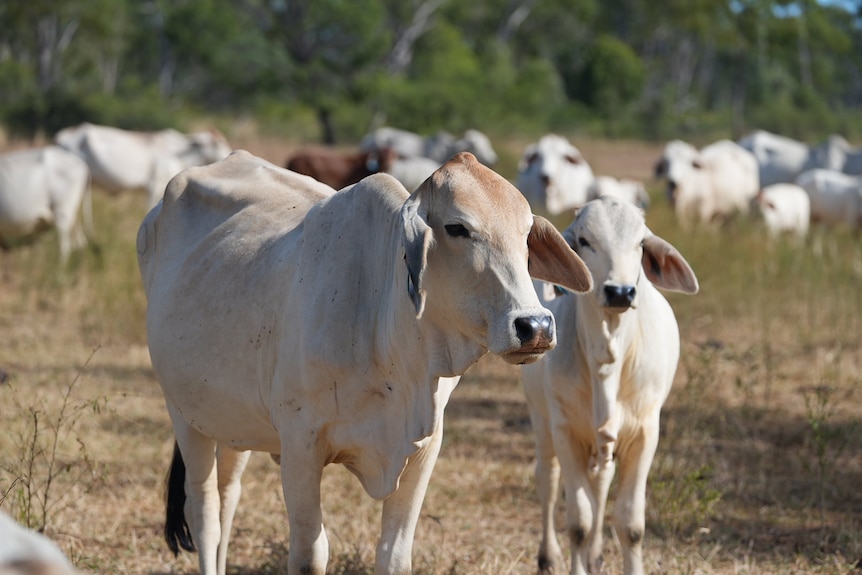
<point>362,204</point>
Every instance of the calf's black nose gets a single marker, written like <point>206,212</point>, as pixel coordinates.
<point>619,296</point>
<point>534,327</point>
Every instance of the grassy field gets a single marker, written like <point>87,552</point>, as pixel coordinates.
<point>759,468</point>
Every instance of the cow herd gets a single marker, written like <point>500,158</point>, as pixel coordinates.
<point>48,186</point>
<point>324,313</point>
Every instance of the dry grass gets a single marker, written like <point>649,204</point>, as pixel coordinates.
<point>758,469</point>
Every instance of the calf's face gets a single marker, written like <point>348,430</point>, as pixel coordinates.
<point>471,247</point>
<point>613,240</point>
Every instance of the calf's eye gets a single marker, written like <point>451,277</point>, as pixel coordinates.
<point>583,243</point>
<point>457,231</point>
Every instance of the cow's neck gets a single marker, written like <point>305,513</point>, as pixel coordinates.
<point>603,337</point>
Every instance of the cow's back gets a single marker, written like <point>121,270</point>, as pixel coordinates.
<point>260,200</point>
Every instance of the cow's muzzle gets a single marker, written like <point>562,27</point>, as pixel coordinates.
<point>536,336</point>
<point>619,296</point>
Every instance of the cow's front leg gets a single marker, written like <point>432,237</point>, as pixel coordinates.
<point>401,509</point>
<point>630,506</point>
<point>300,479</point>
<point>583,523</point>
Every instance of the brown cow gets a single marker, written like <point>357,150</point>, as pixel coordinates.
<point>339,169</point>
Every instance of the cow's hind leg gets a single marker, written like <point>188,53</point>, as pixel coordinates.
<point>202,503</point>
<point>230,465</point>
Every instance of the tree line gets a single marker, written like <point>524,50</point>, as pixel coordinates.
<point>331,70</point>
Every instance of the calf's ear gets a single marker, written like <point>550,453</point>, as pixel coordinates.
<point>552,260</point>
<point>417,240</point>
<point>666,268</point>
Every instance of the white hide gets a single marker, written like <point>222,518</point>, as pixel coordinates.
<point>44,187</point>
<point>595,400</point>
<point>330,327</point>
<point>780,159</point>
<point>553,175</point>
<point>122,160</point>
<point>836,198</point>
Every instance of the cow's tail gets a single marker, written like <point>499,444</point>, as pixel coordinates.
<point>177,533</point>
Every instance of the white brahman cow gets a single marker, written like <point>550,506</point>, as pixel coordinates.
<point>326,327</point>
<point>596,399</point>
<point>126,160</point>
<point>836,153</point>
<point>41,187</point>
<point>710,185</point>
<point>553,175</point>
<point>786,209</point>
<point>26,552</point>
<point>836,198</point>
<point>626,189</point>
<point>780,159</point>
<point>438,147</point>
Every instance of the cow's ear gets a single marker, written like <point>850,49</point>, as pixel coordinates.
<point>666,268</point>
<point>417,240</point>
<point>552,260</point>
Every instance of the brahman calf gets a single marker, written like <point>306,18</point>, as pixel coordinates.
<point>330,327</point>
<point>338,169</point>
<point>596,398</point>
<point>786,209</point>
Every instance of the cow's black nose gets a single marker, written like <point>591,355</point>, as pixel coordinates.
<point>619,296</point>
<point>534,327</point>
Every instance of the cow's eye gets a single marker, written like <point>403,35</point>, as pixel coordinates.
<point>583,243</point>
<point>457,231</point>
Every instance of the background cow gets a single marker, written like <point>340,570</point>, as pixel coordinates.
<point>328,327</point>
<point>710,185</point>
<point>44,187</point>
<point>338,169</point>
<point>786,209</point>
<point>835,197</point>
<point>438,147</point>
<point>124,160</point>
<point>596,399</point>
<point>553,175</point>
<point>26,552</point>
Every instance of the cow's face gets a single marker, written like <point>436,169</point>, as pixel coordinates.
<point>554,174</point>
<point>481,244</point>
